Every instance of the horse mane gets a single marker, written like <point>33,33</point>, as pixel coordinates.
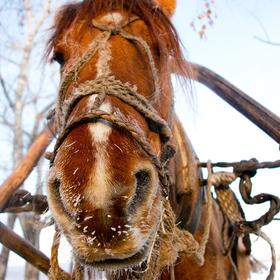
<point>168,44</point>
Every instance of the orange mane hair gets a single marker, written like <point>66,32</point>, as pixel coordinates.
<point>168,6</point>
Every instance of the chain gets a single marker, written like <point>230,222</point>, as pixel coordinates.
<point>232,211</point>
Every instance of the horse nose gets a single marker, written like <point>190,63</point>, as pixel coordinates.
<point>143,186</point>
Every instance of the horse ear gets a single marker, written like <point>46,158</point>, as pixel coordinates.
<point>168,6</point>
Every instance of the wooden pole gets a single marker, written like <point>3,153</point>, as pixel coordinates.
<point>24,249</point>
<point>26,165</point>
<point>247,106</point>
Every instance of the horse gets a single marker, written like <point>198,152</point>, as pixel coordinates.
<point>124,182</point>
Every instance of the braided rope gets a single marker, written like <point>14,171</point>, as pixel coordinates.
<point>55,271</point>
<point>78,272</point>
<point>208,219</point>
<point>225,195</point>
<point>113,28</point>
<point>181,241</point>
<point>93,116</point>
<point>146,47</point>
<point>222,178</point>
<point>110,86</point>
<point>230,208</point>
<point>228,204</point>
<point>70,75</point>
<point>119,31</point>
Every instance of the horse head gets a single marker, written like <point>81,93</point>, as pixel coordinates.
<point>108,181</point>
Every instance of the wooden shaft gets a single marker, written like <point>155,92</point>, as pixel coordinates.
<point>26,165</point>
<point>24,249</point>
<point>247,106</point>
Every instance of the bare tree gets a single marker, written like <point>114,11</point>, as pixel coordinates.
<point>22,96</point>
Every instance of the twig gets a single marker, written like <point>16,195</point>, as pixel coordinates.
<point>267,41</point>
<point>6,93</point>
<point>267,38</point>
<point>39,116</point>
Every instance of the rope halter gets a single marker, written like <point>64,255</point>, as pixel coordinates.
<point>109,85</point>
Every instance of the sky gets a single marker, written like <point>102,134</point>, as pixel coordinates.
<point>217,131</point>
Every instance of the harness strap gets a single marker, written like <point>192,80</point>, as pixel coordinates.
<point>118,30</point>
<point>74,72</point>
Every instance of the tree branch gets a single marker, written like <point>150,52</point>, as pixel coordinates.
<point>25,166</point>
<point>6,93</point>
<point>24,249</point>
<point>22,201</point>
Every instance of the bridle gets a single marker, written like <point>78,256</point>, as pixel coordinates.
<point>108,85</point>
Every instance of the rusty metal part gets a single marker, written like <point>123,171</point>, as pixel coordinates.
<point>245,188</point>
<point>240,166</point>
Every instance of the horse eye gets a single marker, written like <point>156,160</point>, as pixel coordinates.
<point>58,57</point>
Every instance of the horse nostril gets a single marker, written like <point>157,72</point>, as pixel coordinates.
<point>142,187</point>
<point>143,178</point>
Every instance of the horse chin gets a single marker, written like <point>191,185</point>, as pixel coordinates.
<point>115,263</point>
<point>123,256</point>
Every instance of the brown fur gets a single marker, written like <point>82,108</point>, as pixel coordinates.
<point>74,182</point>
<point>160,27</point>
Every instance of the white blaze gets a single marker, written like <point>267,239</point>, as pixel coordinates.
<point>97,191</point>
